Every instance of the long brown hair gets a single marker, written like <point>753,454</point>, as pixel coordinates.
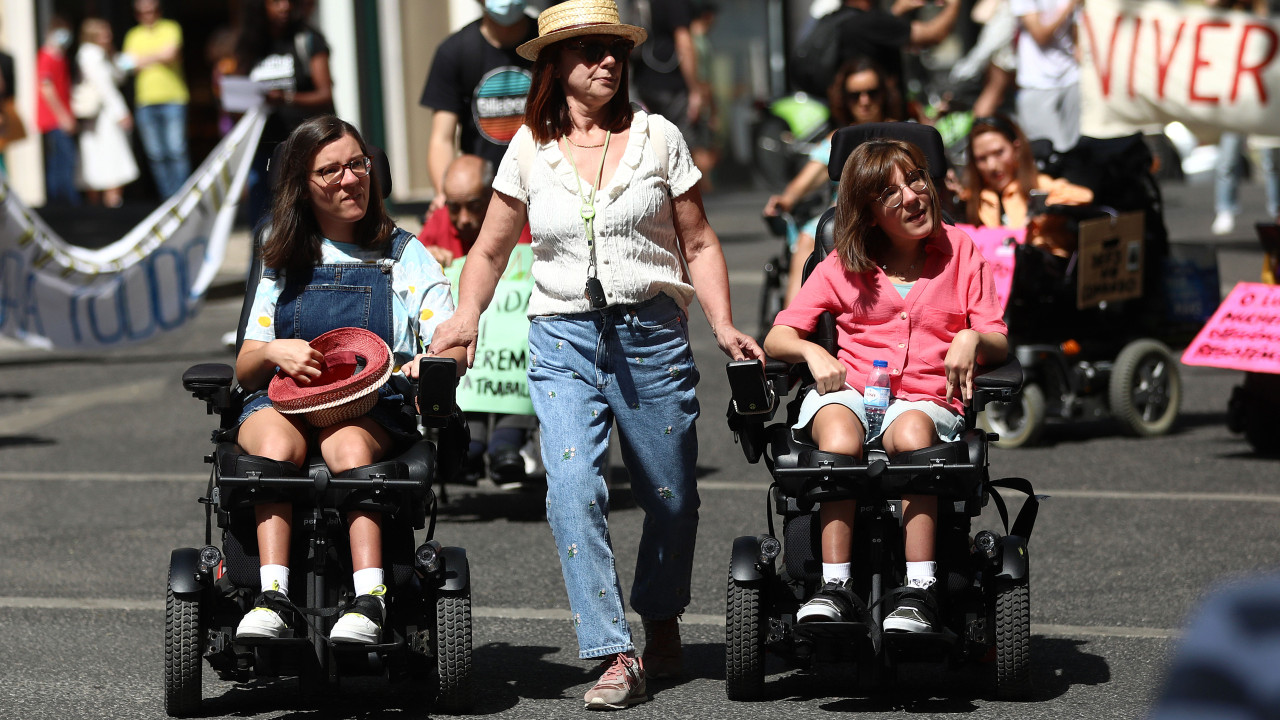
<point>867,172</point>
<point>1024,172</point>
<point>838,99</point>
<point>295,237</point>
<point>546,111</point>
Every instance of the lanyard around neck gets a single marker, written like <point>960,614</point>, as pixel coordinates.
<point>588,210</point>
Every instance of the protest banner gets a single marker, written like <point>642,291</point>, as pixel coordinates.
<point>56,295</point>
<point>498,380</point>
<point>1110,258</point>
<point>1243,334</point>
<point>997,245</point>
<point>1146,63</point>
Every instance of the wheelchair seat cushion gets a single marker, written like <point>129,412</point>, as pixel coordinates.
<point>356,363</point>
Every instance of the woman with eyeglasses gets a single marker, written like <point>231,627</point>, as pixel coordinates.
<point>906,289</point>
<point>333,259</point>
<point>610,195</point>
<point>857,95</point>
<point>1000,179</point>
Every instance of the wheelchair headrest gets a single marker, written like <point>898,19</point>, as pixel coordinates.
<point>925,137</point>
<point>381,167</point>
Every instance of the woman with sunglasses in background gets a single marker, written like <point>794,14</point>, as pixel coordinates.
<point>610,194</point>
<point>857,95</point>
<point>1001,176</point>
<point>333,259</point>
<point>908,290</point>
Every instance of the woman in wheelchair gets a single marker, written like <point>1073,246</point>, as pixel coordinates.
<point>1000,180</point>
<point>904,288</point>
<point>331,234</point>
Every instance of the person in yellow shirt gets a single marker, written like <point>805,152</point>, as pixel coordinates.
<point>153,49</point>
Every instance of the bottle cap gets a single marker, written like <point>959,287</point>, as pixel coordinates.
<point>880,363</point>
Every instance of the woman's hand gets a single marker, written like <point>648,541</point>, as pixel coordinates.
<point>456,332</point>
<point>736,344</point>
<point>827,371</point>
<point>961,362</point>
<point>776,205</point>
<point>126,123</point>
<point>299,360</point>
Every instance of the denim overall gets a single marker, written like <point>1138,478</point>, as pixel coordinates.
<point>346,295</point>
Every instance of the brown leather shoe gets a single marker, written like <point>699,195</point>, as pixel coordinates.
<point>663,657</point>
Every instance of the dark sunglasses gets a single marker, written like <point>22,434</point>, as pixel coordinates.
<point>593,51</point>
<point>856,95</point>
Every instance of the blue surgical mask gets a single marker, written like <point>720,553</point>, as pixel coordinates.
<point>61,37</point>
<point>505,12</point>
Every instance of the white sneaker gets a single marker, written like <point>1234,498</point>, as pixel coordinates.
<point>1224,223</point>
<point>263,621</point>
<point>362,622</point>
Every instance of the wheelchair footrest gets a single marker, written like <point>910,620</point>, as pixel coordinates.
<point>343,648</point>
<point>919,645</point>
<point>831,631</point>
<point>280,642</point>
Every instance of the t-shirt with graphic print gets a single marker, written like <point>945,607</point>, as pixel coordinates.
<point>484,86</point>
<point>421,296</point>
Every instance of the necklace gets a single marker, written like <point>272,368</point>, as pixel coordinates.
<point>586,147</point>
<point>595,293</point>
<point>910,268</point>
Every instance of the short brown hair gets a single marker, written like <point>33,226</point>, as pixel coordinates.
<point>546,111</point>
<point>866,174</point>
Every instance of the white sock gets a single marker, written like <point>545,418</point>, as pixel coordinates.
<point>366,580</point>
<point>921,574</point>
<point>835,572</point>
<point>274,577</point>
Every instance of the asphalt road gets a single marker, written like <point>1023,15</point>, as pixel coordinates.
<point>100,468</point>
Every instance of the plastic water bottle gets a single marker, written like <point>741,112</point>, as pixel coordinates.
<point>876,396</point>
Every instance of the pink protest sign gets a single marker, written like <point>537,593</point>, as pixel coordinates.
<point>996,245</point>
<point>1244,332</point>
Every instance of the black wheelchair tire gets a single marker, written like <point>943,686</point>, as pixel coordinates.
<point>182,672</point>
<point>1013,640</point>
<point>744,641</point>
<point>455,691</point>
<point>1029,407</point>
<point>1145,390</point>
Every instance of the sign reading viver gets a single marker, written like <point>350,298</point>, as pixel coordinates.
<point>1243,334</point>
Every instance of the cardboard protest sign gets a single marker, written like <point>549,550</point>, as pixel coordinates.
<point>1244,333</point>
<point>498,381</point>
<point>1110,257</point>
<point>996,245</point>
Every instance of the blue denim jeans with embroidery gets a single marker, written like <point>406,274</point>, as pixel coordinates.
<point>631,365</point>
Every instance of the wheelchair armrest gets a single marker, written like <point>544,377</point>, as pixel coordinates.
<point>210,382</point>
<point>1000,383</point>
<point>437,390</point>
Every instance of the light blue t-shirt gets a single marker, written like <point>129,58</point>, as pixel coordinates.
<point>421,296</point>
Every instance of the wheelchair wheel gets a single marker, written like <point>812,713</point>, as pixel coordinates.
<point>1019,422</point>
<point>744,642</point>
<point>1146,388</point>
<point>181,656</point>
<point>1013,640</point>
<point>454,683</point>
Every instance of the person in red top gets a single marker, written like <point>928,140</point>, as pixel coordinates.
<point>451,230</point>
<point>906,289</point>
<point>53,115</point>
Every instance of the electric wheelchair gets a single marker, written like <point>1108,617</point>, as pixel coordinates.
<point>427,633</point>
<point>983,578</point>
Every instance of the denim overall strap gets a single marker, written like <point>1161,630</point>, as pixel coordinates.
<point>338,295</point>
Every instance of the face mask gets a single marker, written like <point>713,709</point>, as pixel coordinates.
<point>505,12</point>
<point>61,37</point>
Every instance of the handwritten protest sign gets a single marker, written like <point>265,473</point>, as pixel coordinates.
<point>997,245</point>
<point>1244,333</point>
<point>1110,259</point>
<point>498,380</point>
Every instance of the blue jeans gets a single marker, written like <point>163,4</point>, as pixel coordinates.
<point>60,168</point>
<point>164,137</point>
<point>631,365</point>
<point>1227,172</point>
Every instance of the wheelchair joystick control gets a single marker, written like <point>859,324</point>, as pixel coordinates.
<point>987,544</point>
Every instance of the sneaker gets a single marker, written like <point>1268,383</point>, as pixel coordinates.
<point>1224,223</point>
<point>362,622</point>
<point>264,620</point>
<point>917,612</point>
<point>506,466</point>
<point>834,602</point>
<point>663,657</point>
<point>621,685</point>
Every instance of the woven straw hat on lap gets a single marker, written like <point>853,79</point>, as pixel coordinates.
<point>574,18</point>
<point>356,363</point>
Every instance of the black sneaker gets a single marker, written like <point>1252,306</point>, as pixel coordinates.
<point>506,465</point>
<point>917,612</point>
<point>271,615</point>
<point>834,602</point>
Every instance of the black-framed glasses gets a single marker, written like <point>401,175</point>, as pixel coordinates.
<point>891,197</point>
<point>853,96</point>
<point>593,50</point>
<point>332,174</point>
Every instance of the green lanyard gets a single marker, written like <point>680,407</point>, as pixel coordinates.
<point>588,209</point>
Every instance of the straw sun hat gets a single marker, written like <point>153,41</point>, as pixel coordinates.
<point>575,18</point>
<point>356,363</point>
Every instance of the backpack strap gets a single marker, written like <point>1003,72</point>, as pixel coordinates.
<point>658,138</point>
<point>526,153</point>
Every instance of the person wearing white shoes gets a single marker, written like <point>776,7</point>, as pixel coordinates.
<point>333,259</point>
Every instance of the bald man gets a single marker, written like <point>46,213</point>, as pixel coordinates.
<point>451,230</point>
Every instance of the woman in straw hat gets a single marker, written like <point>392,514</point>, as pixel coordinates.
<point>611,196</point>
<point>333,259</point>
